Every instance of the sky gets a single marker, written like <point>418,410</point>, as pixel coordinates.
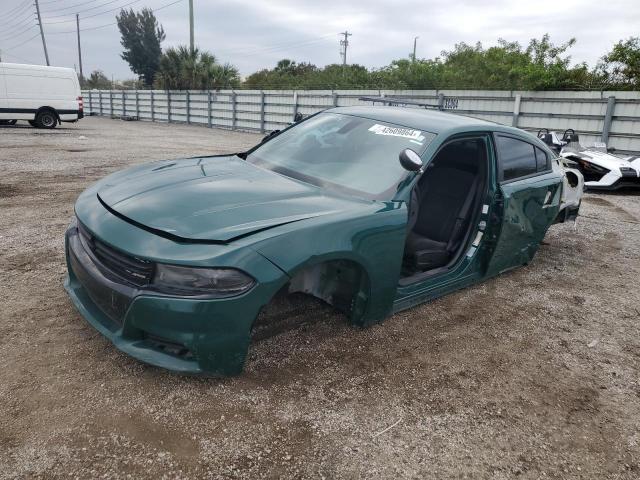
<point>254,34</point>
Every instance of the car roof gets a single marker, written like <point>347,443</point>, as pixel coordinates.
<point>433,121</point>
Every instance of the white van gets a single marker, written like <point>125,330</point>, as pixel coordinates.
<point>44,96</point>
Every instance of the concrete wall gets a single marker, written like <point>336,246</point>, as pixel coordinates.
<point>594,115</point>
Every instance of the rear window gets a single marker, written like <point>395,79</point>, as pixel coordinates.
<point>517,158</point>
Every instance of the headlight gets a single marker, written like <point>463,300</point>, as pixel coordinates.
<point>188,281</point>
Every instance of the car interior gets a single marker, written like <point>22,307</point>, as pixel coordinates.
<point>443,205</point>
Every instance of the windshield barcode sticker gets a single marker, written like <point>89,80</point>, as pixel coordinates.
<point>415,135</point>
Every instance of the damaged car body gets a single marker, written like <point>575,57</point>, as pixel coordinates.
<point>370,209</point>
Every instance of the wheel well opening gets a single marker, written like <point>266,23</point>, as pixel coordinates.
<point>341,284</point>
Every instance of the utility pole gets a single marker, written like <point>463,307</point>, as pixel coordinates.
<point>79,49</point>
<point>344,44</point>
<point>44,42</point>
<point>191,25</point>
<point>415,39</point>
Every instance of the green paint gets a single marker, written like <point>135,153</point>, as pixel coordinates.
<point>275,229</point>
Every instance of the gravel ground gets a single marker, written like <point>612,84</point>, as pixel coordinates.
<point>532,374</point>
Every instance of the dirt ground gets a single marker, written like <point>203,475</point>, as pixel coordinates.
<point>533,374</point>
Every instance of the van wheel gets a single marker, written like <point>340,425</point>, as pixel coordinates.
<point>46,119</point>
<point>8,122</point>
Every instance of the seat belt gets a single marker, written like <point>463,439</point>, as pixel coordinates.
<point>462,215</point>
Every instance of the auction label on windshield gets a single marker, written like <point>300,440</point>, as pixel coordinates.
<point>415,135</point>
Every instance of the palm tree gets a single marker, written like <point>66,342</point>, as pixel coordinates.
<point>184,69</point>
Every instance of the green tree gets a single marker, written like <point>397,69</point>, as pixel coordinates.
<point>141,39</point>
<point>183,69</point>
<point>621,65</point>
<point>541,65</point>
<point>97,80</point>
<point>287,74</point>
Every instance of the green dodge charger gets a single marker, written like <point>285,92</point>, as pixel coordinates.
<point>370,209</point>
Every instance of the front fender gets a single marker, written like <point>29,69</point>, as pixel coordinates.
<point>374,240</point>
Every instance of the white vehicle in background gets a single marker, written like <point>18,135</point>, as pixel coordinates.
<point>44,96</point>
<point>601,170</point>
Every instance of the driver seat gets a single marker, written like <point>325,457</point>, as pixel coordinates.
<point>443,200</point>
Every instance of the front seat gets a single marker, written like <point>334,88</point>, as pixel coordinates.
<point>448,193</point>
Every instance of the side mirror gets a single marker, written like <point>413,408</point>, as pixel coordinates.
<point>410,160</point>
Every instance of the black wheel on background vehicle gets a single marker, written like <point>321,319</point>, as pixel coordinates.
<point>8,122</point>
<point>46,119</point>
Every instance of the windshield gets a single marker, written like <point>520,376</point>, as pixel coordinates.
<point>351,154</point>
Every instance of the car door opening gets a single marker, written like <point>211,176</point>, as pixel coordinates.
<point>443,205</point>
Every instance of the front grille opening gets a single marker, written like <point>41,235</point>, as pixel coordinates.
<point>134,270</point>
<point>169,347</point>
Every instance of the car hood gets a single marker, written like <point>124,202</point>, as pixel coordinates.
<point>213,198</point>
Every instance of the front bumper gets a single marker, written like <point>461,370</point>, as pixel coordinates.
<point>191,336</point>
<point>622,182</point>
<point>616,180</point>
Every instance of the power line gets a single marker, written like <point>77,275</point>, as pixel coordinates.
<point>14,10</point>
<point>6,22</point>
<point>283,48</point>
<point>69,7</point>
<point>112,23</point>
<point>271,47</point>
<point>95,14</point>
<point>85,10</point>
<point>18,34</point>
<point>16,57</point>
<point>22,43</point>
<point>21,21</point>
<point>18,26</point>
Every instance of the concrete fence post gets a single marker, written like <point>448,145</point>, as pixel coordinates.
<point>608,119</point>
<point>209,108</point>
<point>335,99</point>
<point>295,105</point>
<point>261,111</point>
<point>234,113</point>
<point>168,106</point>
<point>100,102</point>
<point>441,101</point>
<point>124,104</point>
<point>153,106</point>
<point>188,106</point>
<point>137,105</point>
<point>90,110</point>
<point>111,103</point>
<point>516,110</point>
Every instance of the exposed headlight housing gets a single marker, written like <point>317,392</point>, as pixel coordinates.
<point>198,281</point>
